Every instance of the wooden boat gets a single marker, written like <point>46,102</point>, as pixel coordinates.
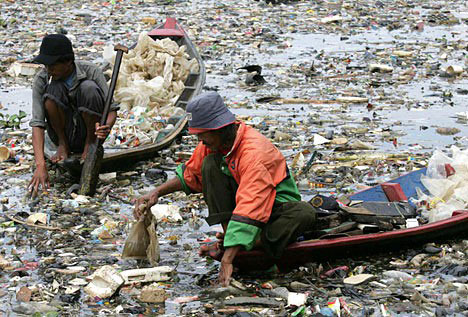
<point>116,159</point>
<point>348,245</point>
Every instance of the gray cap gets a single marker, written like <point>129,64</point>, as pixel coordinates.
<point>208,112</point>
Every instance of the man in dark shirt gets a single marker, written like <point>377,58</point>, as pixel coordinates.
<point>68,101</point>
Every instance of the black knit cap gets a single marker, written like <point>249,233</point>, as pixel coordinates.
<point>53,47</point>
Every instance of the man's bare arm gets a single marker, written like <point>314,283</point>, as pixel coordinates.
<point>40,176</point>
<point>38,145</point>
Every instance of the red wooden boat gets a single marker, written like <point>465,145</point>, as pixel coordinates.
<point>345,246</point>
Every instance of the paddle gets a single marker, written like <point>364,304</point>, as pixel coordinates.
<point>92,163</point>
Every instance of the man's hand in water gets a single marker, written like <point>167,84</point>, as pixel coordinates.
<point>39,178</point>
<point>226,268</point>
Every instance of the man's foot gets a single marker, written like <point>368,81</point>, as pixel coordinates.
<point>61,154</point>
<point>85,152</point>
<point>73,166</point>
<point>211,249</point>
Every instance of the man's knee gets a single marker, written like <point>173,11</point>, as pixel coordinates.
<point>305,212</point>
<point>90,98</point>
<point>51,106</point>
<point>88,87</point>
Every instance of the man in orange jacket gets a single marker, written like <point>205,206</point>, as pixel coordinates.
<point>245,182</point>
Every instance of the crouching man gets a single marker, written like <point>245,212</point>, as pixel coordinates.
<point>244,180</point>
<point>68,102</point>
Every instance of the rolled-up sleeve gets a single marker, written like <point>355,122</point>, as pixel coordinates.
<point>239,233</point>
<point>38,112</point>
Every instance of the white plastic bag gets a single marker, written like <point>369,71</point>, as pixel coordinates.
<point>438,187</point>
<point>444,210</point>
<point>448,193</point>
<point>436,166</point>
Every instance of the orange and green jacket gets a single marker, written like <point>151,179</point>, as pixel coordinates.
<point>261,172</point>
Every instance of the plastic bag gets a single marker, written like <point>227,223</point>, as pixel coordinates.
<point>152,251</point>
<point>446,180</point>
<point>461,193</point>
<point>438,187</point>
<point>137,242</point>
<point>155,69</point>
<point>142,242</point>
<point>460,163</point>
<point>444,210</point>
<point>436,166</point>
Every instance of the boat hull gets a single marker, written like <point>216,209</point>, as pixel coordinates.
<point>315,250</point>
<point>302,252</point>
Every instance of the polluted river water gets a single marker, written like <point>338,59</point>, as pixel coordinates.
<point>314,55</point>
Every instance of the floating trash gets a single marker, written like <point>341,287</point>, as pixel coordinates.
<point>150,81</point>
<point>105,281</point>
<point>454,70</point>
<point>4,153</point>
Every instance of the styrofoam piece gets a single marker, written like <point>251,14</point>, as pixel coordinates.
<point>108,177</point>
<point>169,212</point>
<point>24,69</point>
<point>296,299</point>
<point>351,99</point>
<point>154,274</point>
<point>462,115</point>
<point>106,280</point>
<point>37,217</point>
<point>358,279</point>
<point>412,223</point>
<point>402,53</point>
<point>454,70</point>
<point>381,68</point>
<point>318,139</point>
<point>332,19</point>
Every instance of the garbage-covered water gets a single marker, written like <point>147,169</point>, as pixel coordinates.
<point>375,87</point>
